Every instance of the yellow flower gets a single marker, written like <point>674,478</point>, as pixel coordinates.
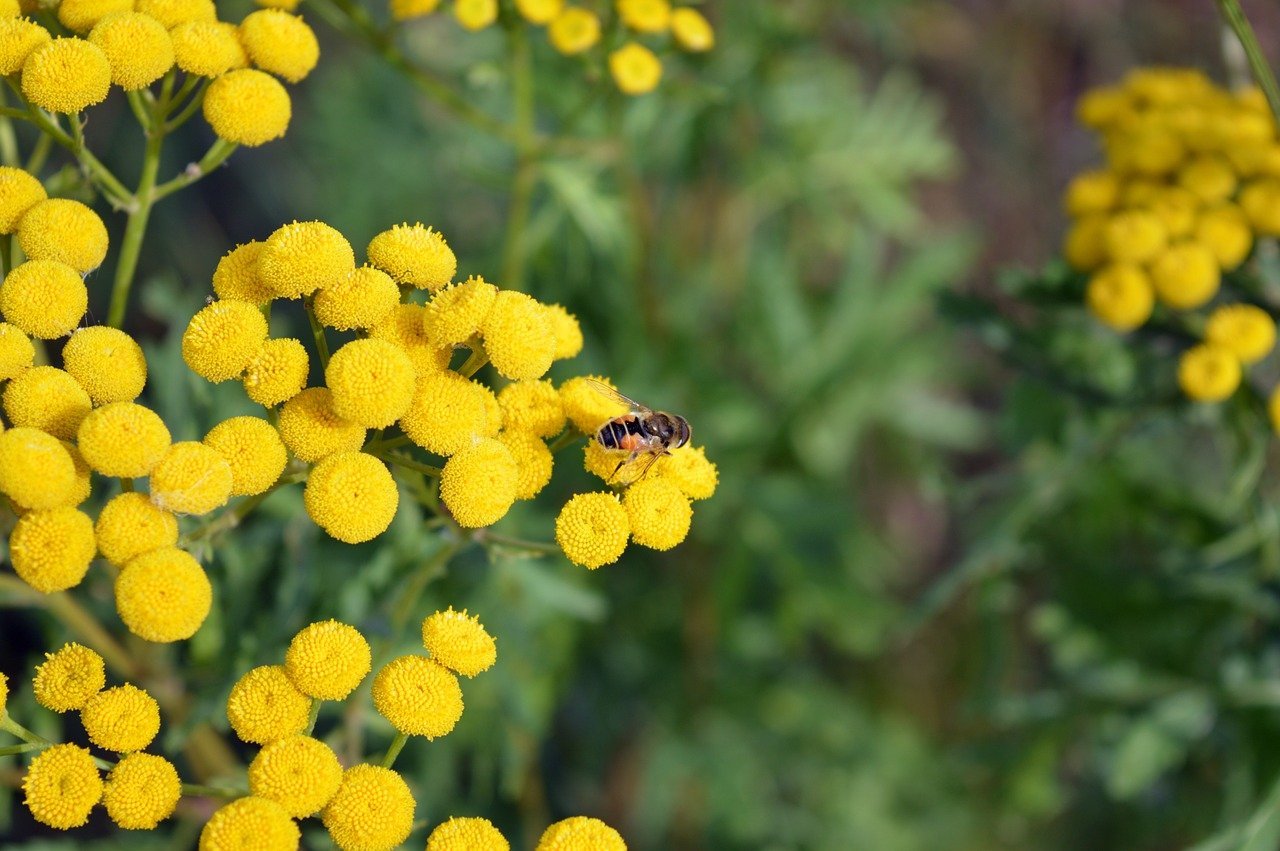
<point>51,548</point>
<point>586,406</point>
<point>478,484</point>
<point>448,413</point>
<point>1177,210</point>
<point>61,785</point>
<point>254,451</point>
<point>172,13</point>
<point>311,430</point>
<point>459,642</point>
<point>44,298</point>
<point>372,811</point>
<point>1273,410</point>
<point>163,595</point>
<point>1209,177</point>
<point>129,525</point>
<point>191,478</point>
<point>1135,236</point>
<point>518,337</point>
<point>248,107</point>
<point>138,47</point>
<point>222,339</point>
<point>580,833</point>
<point>121,719</point>
<point>533,407</point>
<point>534,462</point>
<point>420,697</point>
<point>1186,276</point>
<point>540,12</point>
<point>299,773</point>
<point>1260,201</point>
<point>66,75</point>
<point>646,16</point>
<point>404,327</point>
<point>265,706</point>
<point>658,512</point>
<point>19,191</point>
<point>123,439</point>
<point>692,31</point>
<point>404,10</point>
<point>277,373</point>
<point>467,834</point>
<point>281,43</point>
<point>301,257</point>
<point>69,677</point>
<point>250,823</point>
<point>574,31</point>
<point>82,15</point>
<point>19,37</point>
<point>236,277</point>
<point>141,791</point>
<point>414,254</point>
<point>1098,108</point>
<point>1120,296</point>
<point>635,69</point>
<point>84,476</point>
<point>457,312</point>
<point>475,14</point>
<point>565,328</point>
<point>372,382</point>
<point>361,299</point>
<point>107,363</point>
<point>49,399</point>
<point>1246,331</point>
<point>690,470</point>
<point>592,529</point>
<point>36,471</point>
<point>1209,373</point>
<point>16,352</point>
<point>4,695</point>
<point>208,49</point>
<point>1224,230</point>
<point>351,496</point>
<point>327,660</point>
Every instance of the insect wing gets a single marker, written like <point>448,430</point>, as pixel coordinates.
<point>627,477</point>
<point>605,390</point>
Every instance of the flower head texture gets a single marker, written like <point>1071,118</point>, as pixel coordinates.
<point>173,13</point>
<point>1209,373</point>
<point>351,496</point>
<point>518,337</point>
<point>191,478</point>
<point>236,276</point>
<point>575,30</point>
<point>299,773</point>
<point>265,706</point>
<point>1135,236</point>
<point>372,810</point>
<point>478,484</point>
<point>406,10</point>
<point>84,476</point>
<point>51,548</point>
<point>312,430</point>
<point>129,525</point>
<point>208,49</point>
<point>68,677</point>
<point>459,642</point>
<point>646,16</point>
<point>222,339</point>
<point>49,399</point>
<point>592,529</point>
<point>277,373</point>
<point>66,75</point>
<point>1120,296</point>
<point>533,407</point>
<point>108,363</point>
<point>45,298</point>
<point>137,47</point>
<point>635,69</point>
<point>539,12</point>
<point>580,833</point>
<point>36,471</point>
<point>16,351</point>
<point>280,43</point>
<point>65,231</point>
<point>692,31</point>
<point>420,697</point>
<point>475,15</point>
<point>141,791</point>
<point>404,327</point>
<point>123,439</point>
<point>327,660</point>
<point>301,257</point>
<point>467,834</point>
<point>415,255</point>
<point>534,462</point>
<point>81,15</point>
<point>163,595</point>
<point>247,107</point>
<point>658,512</point>
<point>586,407</point>
<point>565,328</point>
<point>19,38</point>
<point>250,823</point>
<point>372,382</point>
<point>19,190</point>
<point>61,786</point>
<point>1186,276</point>
<point>456,312</point>
<point>448,413</point>
<point>690,470</point>
<point>1246,331</point>
<point>253,450</point>
<point>121,719</point>
<point>1224,230</point>
<point>361,299</point>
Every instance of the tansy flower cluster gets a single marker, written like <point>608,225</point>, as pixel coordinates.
<point>1192,179</point>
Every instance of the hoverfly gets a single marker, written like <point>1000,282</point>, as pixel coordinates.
<point>640,431</point>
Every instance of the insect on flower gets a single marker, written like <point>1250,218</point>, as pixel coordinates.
<point>640,431</point>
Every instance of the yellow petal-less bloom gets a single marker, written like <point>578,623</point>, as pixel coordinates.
<point>690,470</point>
<point>61,786</point>
<point>475,15</point>
<point>1134,236</point>
<point>404,327</point>
<point>311,430</point>
<point>658,512</point>
<point>1177,210</point>
<point>1260,201</point>
<point>1209,177</point>
<point>1246,331</point>
<point>327,660</point>
<point>277,373</point>
<point>459,642</point>
<point>137,46</point>
<point>250,823</point>
<point>163,595</point>
<point>69,677</point>
<point>533,407</point>
<point>301,257</point>
<point>16,351</point>
<point>123,439</point>
<point>517,337</point>
<point>254,451</point>
<point>692,31</point>
<point>592,529</point>
<point>467,834</point>
<point>351,496</point>
<point>646,16</point>
<point>81,15</point>
<point>281,43</point>
<point>265,706</point>
<point>415,255</point>
<point>121,719</point>
<point>191,478</point>
<point>586,407</point>
<point>36,471</point>
<point>362,299</point>
<point>580,833</point>
<point>208,49</point>
<point>405,10</point>
<point>534,462</point>
<point>248,107</point>
<point>141,791</point>
<point>420,697</point>
<point>478,484</point>
<point>84,476</point>
<point>575,30</point>
<point>129,525</point>
<point>1224,230</point>
<point>635,69</point>
<point>448,413</point>
<point>44,298</point>
<point>372,382</point>
<point>1186,276</point>
<point>299,773</point>
<point>19,192</point>
<point>539,12</point>
<point>66,75</point>
<point>1120,296</point>
<point>372,810</point>
<point>566,330</point>
<point>172,13</point>
<point>19,38</point>
<point>457,312</point>
<point>107,363</point>
<point>66,231</point>
<point>614,467</point>
<point>236,277</point>
<point>51,548</point>
<point>49,399</point>
<point>222,339</point>
<point>1208,373</point>
<point>1091,192</point>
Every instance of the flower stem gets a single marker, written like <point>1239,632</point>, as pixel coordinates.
<point>1262,74</point>
<point>13,750</point>
<point>214,157</point>
<point>313,715</point>
<point>477,359</point>
<point>397,745</point>
<point>135,229</point>
<point>406,462</point>
<point>80,622</point>
<point>317,331</point>
<point>197,790</point>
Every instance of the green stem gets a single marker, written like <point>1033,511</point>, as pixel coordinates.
<point>1262,74</point>
<point>14,750</point>
<point>413,587</point>
<point>232,518</point>
<point>8,725</point>
<point>317,332</point>
<point>135,229</point>
<point>477,359</point>
<point>567,438</point>
<point>139,108</point>
<point>8,138</point>
<point>214,157</point>
<point>397,745</point>
<point>313,715</point>
<point>39,154</point>
<point>484,536</point>
<point>525,180</point>
<point>190,109</point>
<point>6,253</point>
<point>197,790</point>
<point>406,462</point>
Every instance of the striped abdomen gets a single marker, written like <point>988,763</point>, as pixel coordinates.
<point>622,433</point>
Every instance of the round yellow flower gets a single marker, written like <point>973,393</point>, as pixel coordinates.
<point>277,373</point>
<point>1260,201</point>
<point>44,298</point>
<point>405,10</point>
<point>690,470</point>
<point>311,430</point>
<point>173,13</point>
<point>248,107</point>
<point>36,471</point>
<point>448,413</point>
<point>658,512</point>
<point>579,833</point>
<point>163,595</point>
<point>646,16</point>
<point>1120,296</point>
<point>137,46</point>
<point>475,14</point>
<point>692,31</point>
<point>141,791</point>
<point>66,75</point>
<point>1186,276</point>
<point>1225,231</point>
<point>264,706</point>
<point>299,773</point>
<point>420,697</point>
<point>372,382</point>
<point>1208,373</point>
<point>1084,246</point>
<point>69,677</point>
<point>1177,210</point>
<point>361,299</point>
<point>121,719</point>
<point>51,548</point>
<point>1273,410</point>
<point>65,231</point>
<point>1135,236</point>
<point>1246,331</point>
<point>16,351</point>
<point>236,277</point>
<point>49,399</point>
<point>301,257</point>
<point>84,476</point>
<point>539,12</point>
<point>81,15</point>
<point>208,49</point>
<point>253,449</point>
<point>19,191</point>
<point>518,337</point>
<point>467,834</point>
<point>372,811</point>
<point>1209,177</point>
<point>250,823</point>
<point>222,339</point>
<point>404,327</point>
<point>129,525</point>
<point>533,407</point>
<point>1091,192</point>
<point>574,31</point>
<point>565,328</point>
<point>327,660</point>
<point>534,462</point>
<point>19,38</point>
<point>635,69</point>
<point>107,363</point>
<point>593,529</point>
<point>191,478</point>
<point>457,312</point>
<point>415,254</point>
<point>478,484</point>
<point>281,43</point>
<point>351,496</point>
<point>61,786</point>
<point>123,439</point>
<point>459,642</point>
<point>586,406</point>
